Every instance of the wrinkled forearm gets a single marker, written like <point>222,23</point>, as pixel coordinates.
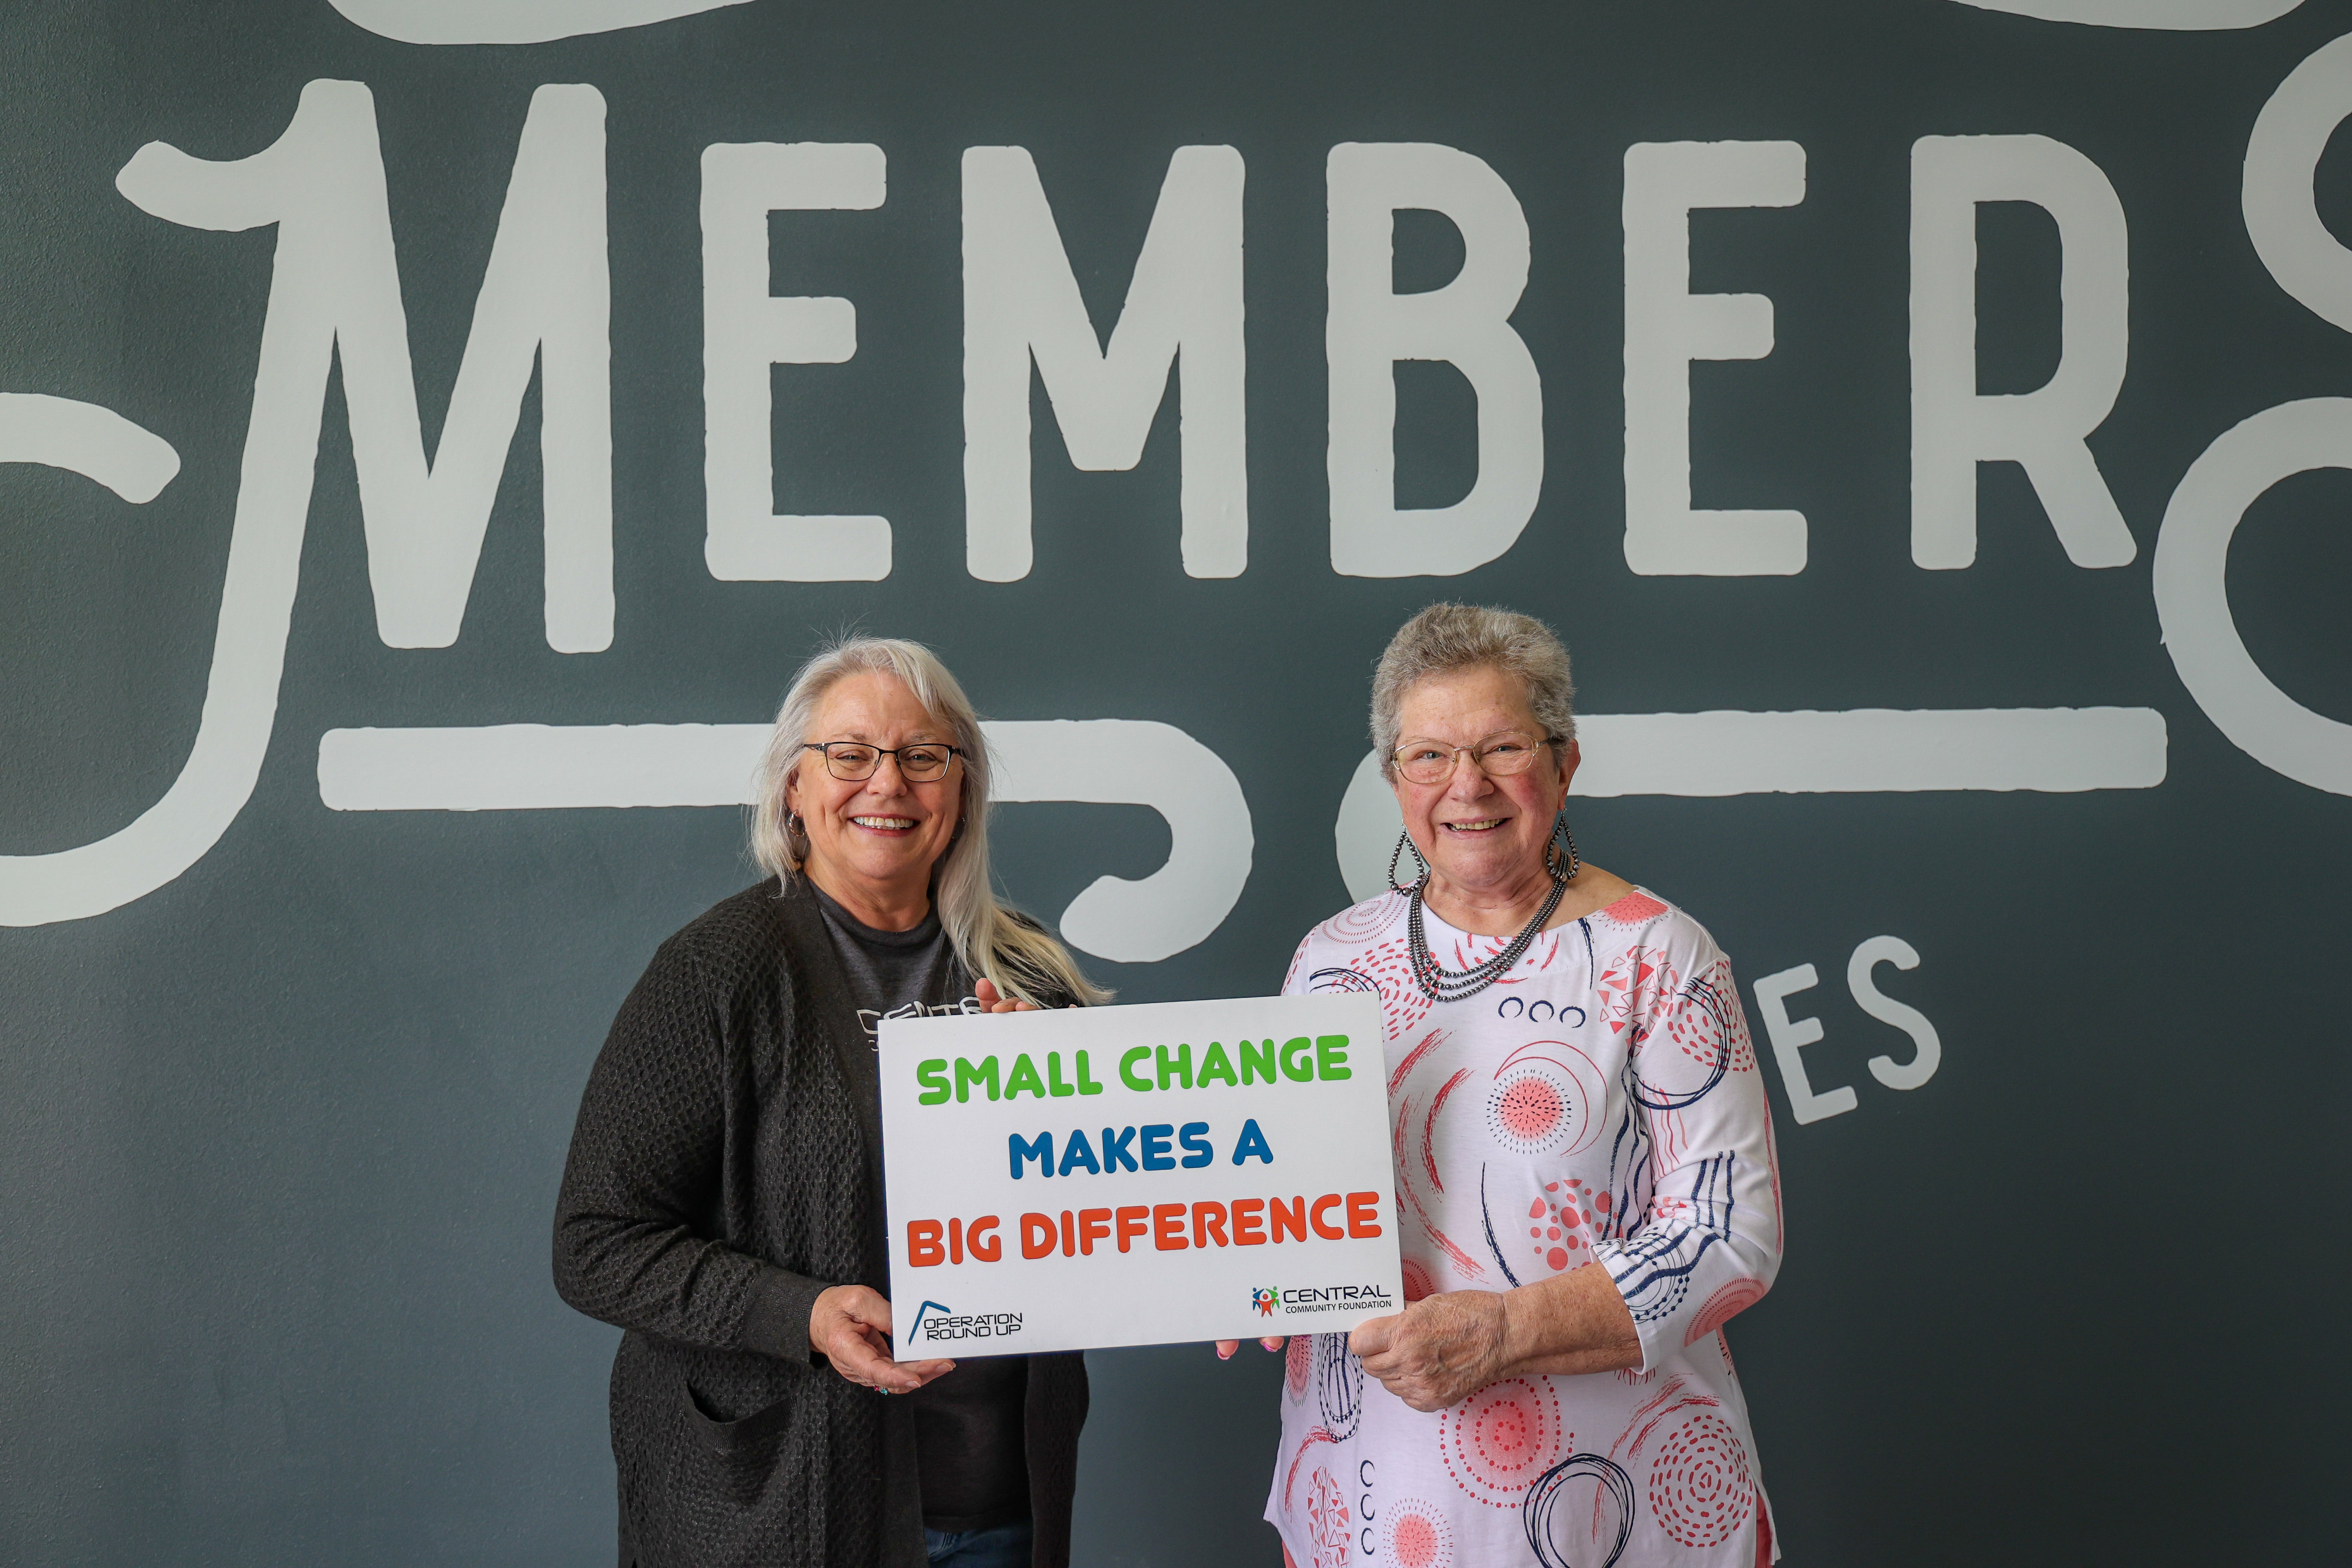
<point>1571,1324</point>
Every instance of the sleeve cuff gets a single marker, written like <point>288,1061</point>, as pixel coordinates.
<point>1653,1337</point>
<point>776,1322</point>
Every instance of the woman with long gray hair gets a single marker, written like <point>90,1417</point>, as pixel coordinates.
<point>723,1198</point>
<point>1585,1187</point>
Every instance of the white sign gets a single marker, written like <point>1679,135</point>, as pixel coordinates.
<point>1137,1175</point>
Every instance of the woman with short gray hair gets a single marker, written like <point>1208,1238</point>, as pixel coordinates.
<point>723,1198</point>
<point>1584,1174</point>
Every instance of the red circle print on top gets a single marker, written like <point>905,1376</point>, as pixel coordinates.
<point>1700,1490</point>
<point>1415,1535</point>
<point>1633,909</point>
<point>1726,1304</point>
<point>1362,923</point>
<point>1708,1023</point>
<point>1530,1110</point>
<point>1497,1442</point>
<point>1298,1364</point>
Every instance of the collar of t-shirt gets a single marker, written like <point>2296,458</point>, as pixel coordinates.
<point>894,973</point>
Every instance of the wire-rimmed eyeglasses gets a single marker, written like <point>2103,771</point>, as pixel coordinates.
<point>1498,755</point>
<point>853,760</point>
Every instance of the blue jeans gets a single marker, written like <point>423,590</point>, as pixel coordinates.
<point>1006,1546</point>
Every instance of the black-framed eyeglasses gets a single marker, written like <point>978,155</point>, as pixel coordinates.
<point>853,760</point>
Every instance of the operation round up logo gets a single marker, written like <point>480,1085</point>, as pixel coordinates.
<point>934,1323</point>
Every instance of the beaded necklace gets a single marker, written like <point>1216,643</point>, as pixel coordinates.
<point>1440,984</point>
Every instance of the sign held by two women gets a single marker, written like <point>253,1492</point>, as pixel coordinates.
<point>1090,1177</point>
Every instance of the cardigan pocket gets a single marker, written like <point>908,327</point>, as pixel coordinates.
<point>723,1457</point>
<point>739,1488</point>
<point>745,1434</point>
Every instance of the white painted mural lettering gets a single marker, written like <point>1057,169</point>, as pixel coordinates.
<point>1953,426</point>
<point>335,297</point>
<point>1666,328</point>
<point>544,308</point>
<point>1184,311</point>
<point>1466,323</point>
<point>334,292</point>
<point>745,330</point>
<point>1789,1036</point>
<point>2174,15</point>
<point>2192,553</point>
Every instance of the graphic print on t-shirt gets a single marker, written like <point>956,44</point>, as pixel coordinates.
<point>870,1018</point>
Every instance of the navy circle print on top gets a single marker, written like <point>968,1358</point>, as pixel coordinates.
<point>1339,1385</point>
<point>1571,1526</point>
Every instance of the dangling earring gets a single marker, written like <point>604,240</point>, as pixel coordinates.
<point>1404,842</point>
<point>793,826</point>
<point>1553,859</point>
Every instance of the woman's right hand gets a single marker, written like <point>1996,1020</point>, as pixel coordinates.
<point>1226,1348</point>
<point>850,1327</point>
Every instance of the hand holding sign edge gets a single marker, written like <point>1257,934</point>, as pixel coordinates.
<point>1226,1348</point>
<point>849,1325</point>
<point>991,1000</point>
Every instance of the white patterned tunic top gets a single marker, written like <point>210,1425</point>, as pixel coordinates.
<point>1599,1104</point>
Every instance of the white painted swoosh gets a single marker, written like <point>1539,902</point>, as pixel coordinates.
<point>512,21</point>
<point>2171,16</point>
<point>1855,751</point>
<point>537,767</point>
<point>96,443</point>
<point>135,464</point>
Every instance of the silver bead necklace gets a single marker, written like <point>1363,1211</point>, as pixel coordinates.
<point>1440,984</point>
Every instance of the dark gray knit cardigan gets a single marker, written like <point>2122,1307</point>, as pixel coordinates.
<point>722,1174</point>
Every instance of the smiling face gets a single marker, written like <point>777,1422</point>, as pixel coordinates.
<point>1481,835</point>
<point>872,843</point>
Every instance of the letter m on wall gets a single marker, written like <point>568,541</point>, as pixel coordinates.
<point>545,300</point>
<point>1021,302</point>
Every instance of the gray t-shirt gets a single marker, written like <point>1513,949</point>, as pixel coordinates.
<point>968,1443</point>
<point>897,973</point>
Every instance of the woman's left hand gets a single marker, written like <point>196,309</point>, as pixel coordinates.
<point>991,1001</point>
<point>1439,1351</point>
<point>1226,1348</point>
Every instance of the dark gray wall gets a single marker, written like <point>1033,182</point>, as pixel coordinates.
<point>279,1141</point>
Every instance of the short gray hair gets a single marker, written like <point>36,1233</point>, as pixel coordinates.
<point>1445,637</point>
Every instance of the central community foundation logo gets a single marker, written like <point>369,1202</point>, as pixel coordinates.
<point>934,1323</point>
<point>1291,1301</point>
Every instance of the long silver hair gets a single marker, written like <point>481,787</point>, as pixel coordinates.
<point>994,941</point>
